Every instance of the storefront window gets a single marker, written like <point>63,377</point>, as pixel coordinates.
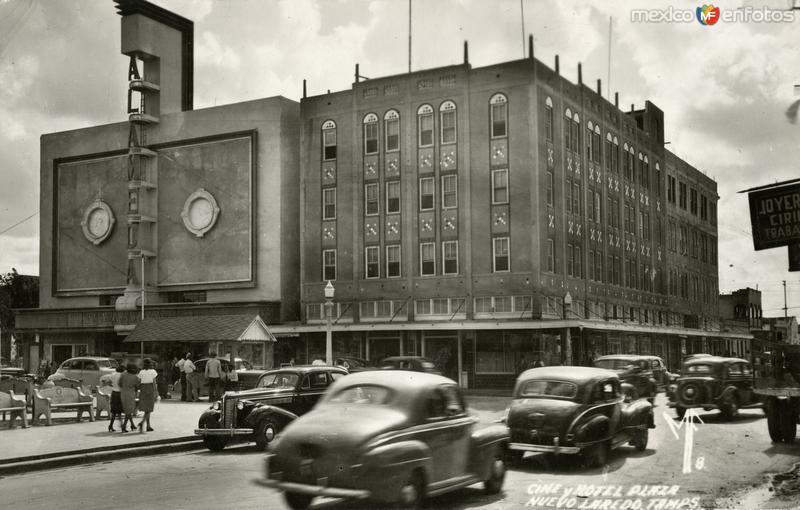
<point>493,353</point>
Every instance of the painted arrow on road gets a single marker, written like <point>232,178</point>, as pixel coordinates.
<point>688,438</point>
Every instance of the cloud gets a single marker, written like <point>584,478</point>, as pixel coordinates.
<point>209,52</point>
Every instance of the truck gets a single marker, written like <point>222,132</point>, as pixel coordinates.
<point>780,392</point>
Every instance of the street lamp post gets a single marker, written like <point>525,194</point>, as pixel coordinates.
<point>329,291</point>
<point>567,335</point>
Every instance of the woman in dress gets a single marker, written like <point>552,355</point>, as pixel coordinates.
<point>147,394</point>
<point>116,399</point>
<point>128,382</point>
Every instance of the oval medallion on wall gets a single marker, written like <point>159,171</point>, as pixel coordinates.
<point>98,222</point>
<point>200,212</point>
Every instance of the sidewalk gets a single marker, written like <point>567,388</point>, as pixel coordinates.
<point>41,446</point>
<point>67,442</point>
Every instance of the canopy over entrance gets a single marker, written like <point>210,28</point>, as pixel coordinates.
<point>206,328</point>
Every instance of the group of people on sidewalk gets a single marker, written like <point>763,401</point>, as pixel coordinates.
<point>191,379</point>
<point>125,383</point>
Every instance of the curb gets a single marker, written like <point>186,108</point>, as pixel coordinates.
<point>22,465</point>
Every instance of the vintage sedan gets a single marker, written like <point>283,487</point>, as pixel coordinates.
<point>86,369</point>
<point>387,437</point>
<point>575,410</point>
<point>714,382</point>
<point>259,414</point>
<point>641,375</point>
<point>412,363</point>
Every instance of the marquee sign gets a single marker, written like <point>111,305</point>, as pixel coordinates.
<point>775,216</point>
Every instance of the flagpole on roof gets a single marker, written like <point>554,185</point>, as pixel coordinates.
<point>409,36</point>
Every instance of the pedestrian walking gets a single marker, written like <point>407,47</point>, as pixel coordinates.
<point>116,399</point>
<point>182,375</point>
<point>128,383</point>
<point>213,373</point>
<point>147,392</point>
<point>192,384</point>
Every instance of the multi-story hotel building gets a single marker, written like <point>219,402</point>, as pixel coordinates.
<point>482,217</point>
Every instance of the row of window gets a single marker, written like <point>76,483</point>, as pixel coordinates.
<point>692,287</point>
<point>449,194</point>
<point>427,258</point>
<point>593,139</point>
<point>498,112</point>
<point>696,203</point>
<point>691,242</point>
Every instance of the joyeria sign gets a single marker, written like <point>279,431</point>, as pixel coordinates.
<point>775,217</point>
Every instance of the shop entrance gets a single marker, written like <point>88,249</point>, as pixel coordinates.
<point>443,352</point>
<point>382,347</point>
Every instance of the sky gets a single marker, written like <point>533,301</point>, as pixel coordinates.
<point>724,88</point>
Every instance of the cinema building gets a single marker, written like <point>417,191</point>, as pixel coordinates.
<point>480,216</point>
<point>191,215</point>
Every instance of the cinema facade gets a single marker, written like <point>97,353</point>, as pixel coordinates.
<point>482,217</point>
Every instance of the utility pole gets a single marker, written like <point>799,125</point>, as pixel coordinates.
<point>785,309</point>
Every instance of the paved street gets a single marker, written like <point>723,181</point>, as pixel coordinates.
<point>730,456</point>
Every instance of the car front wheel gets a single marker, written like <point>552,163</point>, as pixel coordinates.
<point>730,409</point>
<point>412,491</point>
<point>639,440</point>
<point>496,476</point>
<point>298,501</point>
<point>266,431</point>
<point>597,454</point>
<point>788,421</point>
<point>773,411</point>
<point>215,443</point>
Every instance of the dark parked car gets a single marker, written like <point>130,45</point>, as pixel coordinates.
<point>575,410</point>
<point>714,382</point>
<point>644,374</point>
<point>353,365</point>
<point>412,363</point>
<point>394,437</point>
<point>279,397</point>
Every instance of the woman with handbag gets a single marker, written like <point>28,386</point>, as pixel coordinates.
<point>128,382</point>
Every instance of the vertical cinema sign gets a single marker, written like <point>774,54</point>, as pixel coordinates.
<point>775,217</point>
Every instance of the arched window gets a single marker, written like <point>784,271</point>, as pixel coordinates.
<point>328,140</point>
<point>576,132</point>
<point>498,111</point>
<point>609,151</point>
<point>447,122</point>
<point>370,134</point>
<point>548,119</point>
<point>569,141</point>
<point>596,145</point>
<point>425,125</point>
<point>391,128</point>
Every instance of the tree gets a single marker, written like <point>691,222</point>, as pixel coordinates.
<point>16,291</point>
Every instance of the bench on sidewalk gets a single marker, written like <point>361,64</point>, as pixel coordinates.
<point>45,401</point>
<point>14,405</point>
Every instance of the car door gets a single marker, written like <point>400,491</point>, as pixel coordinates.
<point>311,389</point>
<point>72,368</point>
<point>446,431</point>
<point>608,399</point>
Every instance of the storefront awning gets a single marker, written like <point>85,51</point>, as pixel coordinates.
<point>207,328</point>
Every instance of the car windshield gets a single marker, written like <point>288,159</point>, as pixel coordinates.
<point>243,365</point>
<point>540,388</point>
<point>278,380</point>
<point>362,394</point>
<point>697,369</point>
<point>613,364</point>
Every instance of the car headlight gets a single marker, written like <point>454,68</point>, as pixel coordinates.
<point>240,405</point>
<point>215,406</point>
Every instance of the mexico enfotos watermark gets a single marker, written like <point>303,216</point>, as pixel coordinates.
<point>707,15</point>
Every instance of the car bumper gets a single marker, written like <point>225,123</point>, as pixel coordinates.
<point>706,407</point>
<point>223,432</point>
<point>524,447</point>
<point>313,490</point>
